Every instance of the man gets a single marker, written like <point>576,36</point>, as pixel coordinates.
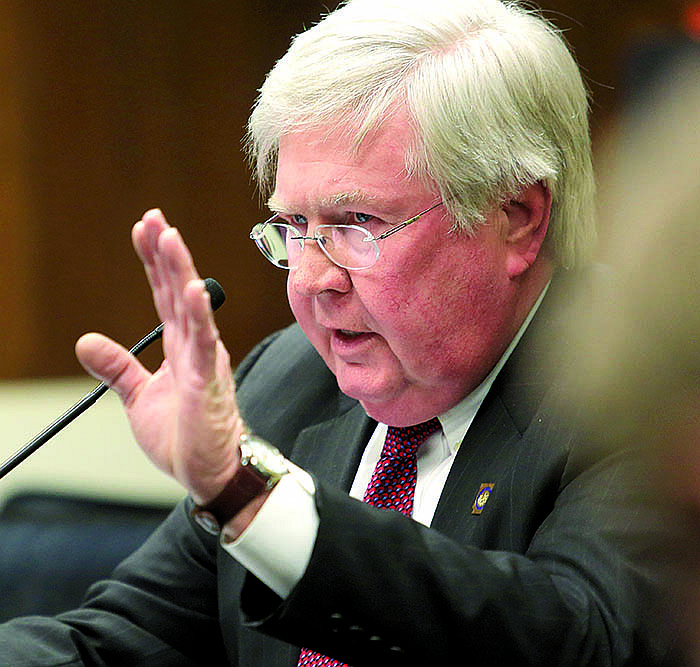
<point>428,166</point>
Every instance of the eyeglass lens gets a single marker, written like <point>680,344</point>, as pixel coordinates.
<point>348,246</point>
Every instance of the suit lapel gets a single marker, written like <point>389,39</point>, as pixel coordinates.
<point>478,456</point>
<point>331,450</point>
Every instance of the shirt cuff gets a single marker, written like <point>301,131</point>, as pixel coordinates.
<point>277,544</point>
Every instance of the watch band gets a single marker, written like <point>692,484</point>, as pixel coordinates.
<point>253,477</point>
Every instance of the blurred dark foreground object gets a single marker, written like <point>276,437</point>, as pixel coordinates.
<point>52,547</point>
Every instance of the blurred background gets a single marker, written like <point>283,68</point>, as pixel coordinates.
<point>111,107</point>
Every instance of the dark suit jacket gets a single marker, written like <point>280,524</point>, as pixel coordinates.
<point>549,573</point>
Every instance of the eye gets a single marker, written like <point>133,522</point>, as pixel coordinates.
<point>371,223</point>
<point>299,221</point>
<point>362,218</point>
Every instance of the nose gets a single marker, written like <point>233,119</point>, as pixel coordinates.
<point>315,273</point>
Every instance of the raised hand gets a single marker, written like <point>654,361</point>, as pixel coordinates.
<point>184,416</point>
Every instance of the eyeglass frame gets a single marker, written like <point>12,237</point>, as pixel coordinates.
<point>319,239</point>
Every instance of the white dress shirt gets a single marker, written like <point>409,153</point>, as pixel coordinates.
<point>276,547</point>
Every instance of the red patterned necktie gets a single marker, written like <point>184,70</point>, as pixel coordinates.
<point>392,486</point>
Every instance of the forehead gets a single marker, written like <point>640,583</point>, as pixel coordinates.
<point>323,168</point>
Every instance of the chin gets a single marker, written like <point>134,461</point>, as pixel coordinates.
<point>407,407</point>
<point>370,391</point>
<point>383,404</point>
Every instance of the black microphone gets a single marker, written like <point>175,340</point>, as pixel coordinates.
<point>217,297</point>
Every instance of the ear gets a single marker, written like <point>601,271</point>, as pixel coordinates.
<point>527,219</point>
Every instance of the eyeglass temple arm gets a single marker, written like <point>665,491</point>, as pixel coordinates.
<point>398,228</point>
<point>406,223</point>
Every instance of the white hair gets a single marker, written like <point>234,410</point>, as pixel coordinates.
<point>495,96</point>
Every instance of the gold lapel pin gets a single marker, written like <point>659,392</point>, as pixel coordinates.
<point>482,496</point>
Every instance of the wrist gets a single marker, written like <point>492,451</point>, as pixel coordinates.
<point>259,469</point>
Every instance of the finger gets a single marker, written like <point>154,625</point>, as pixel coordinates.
<point>166,292</point>
<point>178,260</point>
<point>204,335</point>
<point>112,364</point>
<point>177,270</point>
<point>145,235</point>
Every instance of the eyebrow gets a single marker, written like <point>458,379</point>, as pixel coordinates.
<point>339,199</point>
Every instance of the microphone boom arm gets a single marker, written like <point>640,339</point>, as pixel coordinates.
<point>217,296</point>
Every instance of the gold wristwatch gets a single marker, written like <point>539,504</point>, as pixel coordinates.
<point>262,466</point>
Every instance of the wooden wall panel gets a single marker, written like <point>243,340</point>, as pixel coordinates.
<point>17,252</point>
<point>128,105</point>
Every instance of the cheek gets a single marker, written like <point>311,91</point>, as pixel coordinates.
<point>292,296</point>
<point>436,315</point>
<point>302,310</point>
<point>385,300</point>
<point>442,287</point>
<point>293,300</point>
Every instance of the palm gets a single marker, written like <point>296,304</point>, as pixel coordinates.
<point>153,418</point>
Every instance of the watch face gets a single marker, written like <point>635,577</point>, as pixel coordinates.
<point>262,456</point>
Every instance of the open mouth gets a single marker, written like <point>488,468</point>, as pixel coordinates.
<point>347,336</point>
<point>346,333</point>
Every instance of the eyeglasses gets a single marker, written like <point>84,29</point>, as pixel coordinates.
<point>349,246</point>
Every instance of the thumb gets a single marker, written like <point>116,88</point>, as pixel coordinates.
<point>111,363</point>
